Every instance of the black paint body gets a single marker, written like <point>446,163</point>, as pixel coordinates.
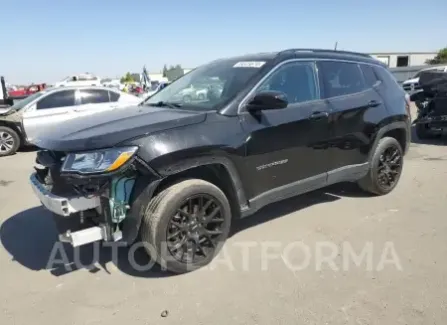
<point>313,144</point>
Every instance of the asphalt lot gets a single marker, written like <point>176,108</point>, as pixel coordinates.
<point>407,227</point>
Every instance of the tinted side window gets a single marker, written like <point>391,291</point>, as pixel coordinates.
<point>340,78</point>
<point>94,96</point>
<point>297,80</point>
<point>114,96</point>
<point>369,75</point>
<point>59,99</point>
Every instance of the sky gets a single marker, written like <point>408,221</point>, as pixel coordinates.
<point>45,41</point>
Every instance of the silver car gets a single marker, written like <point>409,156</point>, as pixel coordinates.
<point>21,123</point>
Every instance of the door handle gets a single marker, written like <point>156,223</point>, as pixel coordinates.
<point>374,103</point>
<point>318,115</point>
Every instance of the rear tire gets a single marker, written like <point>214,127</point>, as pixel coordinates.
<point>385,166</point>
<point>9,141</point>
<point>168,235</point>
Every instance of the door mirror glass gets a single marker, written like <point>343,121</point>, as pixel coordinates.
<point>268,100</point>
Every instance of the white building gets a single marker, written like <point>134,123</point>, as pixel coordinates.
<point>404,59</point>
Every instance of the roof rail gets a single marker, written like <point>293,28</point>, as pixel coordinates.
<point>323,51</point>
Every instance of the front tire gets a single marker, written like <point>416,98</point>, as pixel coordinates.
<point>9,141</point>
<point>385,169</point>
<point>186,225</point>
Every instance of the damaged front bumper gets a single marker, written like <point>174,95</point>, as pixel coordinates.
<point>66,207</point>
<point>90,209</point>
<point>63,206</point>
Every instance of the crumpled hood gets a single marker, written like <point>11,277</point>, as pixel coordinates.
<point>107,129</point>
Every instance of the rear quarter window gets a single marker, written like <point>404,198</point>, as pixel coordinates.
<point>370,76</point>
<point>386,77</point>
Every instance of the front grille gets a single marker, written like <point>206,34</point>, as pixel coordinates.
<point>411,87</point>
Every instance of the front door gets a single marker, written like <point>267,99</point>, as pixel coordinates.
<point>48,112</point>
<point>289,145</point>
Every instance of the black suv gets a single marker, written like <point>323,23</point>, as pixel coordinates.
<point>265,127</point>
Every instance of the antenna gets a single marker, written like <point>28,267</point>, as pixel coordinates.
<point>335,47</point>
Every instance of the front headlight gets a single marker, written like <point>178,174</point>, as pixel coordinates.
<point>100,161</point>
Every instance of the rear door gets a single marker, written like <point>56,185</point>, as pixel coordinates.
<point>356,107</point>
<point>48,112</point>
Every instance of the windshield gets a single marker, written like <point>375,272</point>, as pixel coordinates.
<point>22,103</point>
<point>209,86</point>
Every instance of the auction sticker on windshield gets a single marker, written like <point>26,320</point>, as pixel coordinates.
<point>249,64</point>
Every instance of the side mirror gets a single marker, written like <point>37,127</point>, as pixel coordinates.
<point>267,100</point>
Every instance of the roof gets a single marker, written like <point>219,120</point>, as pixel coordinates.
<point>404,53</point>
<point>77,87</point>
<point>307,53</point>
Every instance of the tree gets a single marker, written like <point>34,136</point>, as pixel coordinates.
<point>441,57</point>
<point>127,78</point>
<point>165,71</point>
<point>174,72</point>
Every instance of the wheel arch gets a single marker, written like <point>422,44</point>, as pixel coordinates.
<point>219,171</point>
<point>16,128</point>
<point>399,130</point>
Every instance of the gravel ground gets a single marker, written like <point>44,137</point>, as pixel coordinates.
<point>402,281</point>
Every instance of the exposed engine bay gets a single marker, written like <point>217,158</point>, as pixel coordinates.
<point>98,203</point>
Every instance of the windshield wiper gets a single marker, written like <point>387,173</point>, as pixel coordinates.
<point>166,104</point>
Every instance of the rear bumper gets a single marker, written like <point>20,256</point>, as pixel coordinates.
<point>63,206</point>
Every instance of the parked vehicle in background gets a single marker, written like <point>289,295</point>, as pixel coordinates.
<point>180,172</point>
<point>411,85</point>
<point>431,102</point>
<point>83,79</point>
<point>23,92</point>
<point>112,83</point>
<point>156,88</point>
<point>21,123</point>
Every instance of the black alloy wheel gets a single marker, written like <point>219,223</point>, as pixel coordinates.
<point>194,232</point>
<point>389,168</point>
<point>186,224</point>
<point>385,167</point>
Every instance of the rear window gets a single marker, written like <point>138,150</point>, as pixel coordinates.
<point>341,78</point>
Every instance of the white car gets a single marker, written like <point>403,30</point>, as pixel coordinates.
<point>412,84</point>
<point>22,122</point>
<point>83,79</point>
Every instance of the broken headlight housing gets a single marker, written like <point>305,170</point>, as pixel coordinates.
<point>98,161</point>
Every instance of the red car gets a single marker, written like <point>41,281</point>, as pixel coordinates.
<point>25,92</point>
